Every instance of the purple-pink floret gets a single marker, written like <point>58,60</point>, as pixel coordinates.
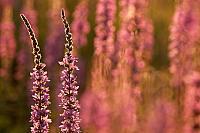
<point>104,40</point>
<point>40,113</point>
<point>80,25</point>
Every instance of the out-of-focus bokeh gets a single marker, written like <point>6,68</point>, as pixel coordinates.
<point>44,15</point>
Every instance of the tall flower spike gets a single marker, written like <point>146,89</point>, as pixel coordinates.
<point>40,113</point>
<point>68,95</point>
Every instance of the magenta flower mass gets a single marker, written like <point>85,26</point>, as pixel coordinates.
<point>70,117</point>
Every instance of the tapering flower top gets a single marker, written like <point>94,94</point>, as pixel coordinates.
<point>68,94</point>
<point>39,114</point>
<point>36,48</point>
<point>105,14</point>
<point>31,13</point>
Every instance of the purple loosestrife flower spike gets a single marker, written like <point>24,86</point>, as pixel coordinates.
<point>40,113</point>
<point>69,103</point>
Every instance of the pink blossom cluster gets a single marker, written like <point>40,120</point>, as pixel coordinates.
<point>40,113</point>
<point>125,35</point>
<point>143,45</point>
<point>135,36</point>
<point>184,35</point>
<point>80,24</point>
<point>104,40</point>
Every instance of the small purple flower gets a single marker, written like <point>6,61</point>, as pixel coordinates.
<point>68,94</point>
<point>80,24</point>
<point>39,114</point>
